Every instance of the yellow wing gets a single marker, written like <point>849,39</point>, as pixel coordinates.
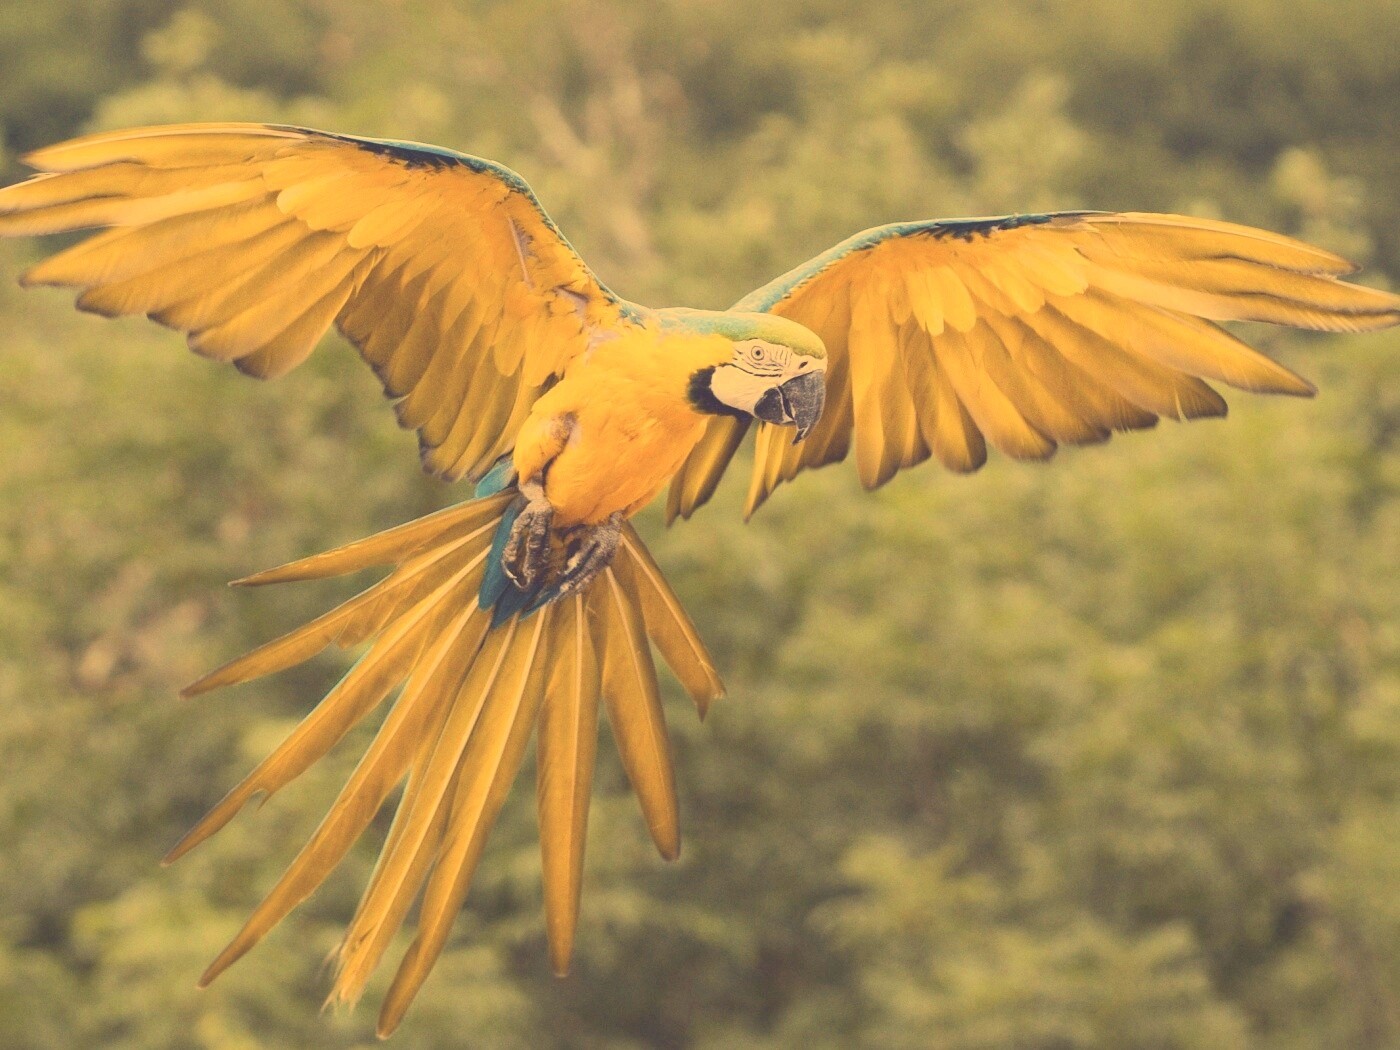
<point>441,268</point>
<point>1029,332</point>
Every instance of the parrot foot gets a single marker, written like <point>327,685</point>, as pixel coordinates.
<point>527,547</point>
<point>594,554</point>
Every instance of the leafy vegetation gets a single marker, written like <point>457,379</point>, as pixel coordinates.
<point>1104,754</point>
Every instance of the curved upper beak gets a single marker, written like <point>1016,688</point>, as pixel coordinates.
<point>797,402</point>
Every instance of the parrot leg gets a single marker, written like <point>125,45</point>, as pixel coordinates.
<point>593,556</point>
<point>527,547</point>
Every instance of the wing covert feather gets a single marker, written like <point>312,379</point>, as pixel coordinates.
<point>1032,331</point>
<point>255,239</point>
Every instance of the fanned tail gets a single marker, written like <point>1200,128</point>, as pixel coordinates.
<point>469,696</point>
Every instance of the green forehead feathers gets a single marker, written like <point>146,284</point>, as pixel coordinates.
<point>736,326</point>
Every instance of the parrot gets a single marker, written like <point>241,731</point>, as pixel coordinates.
<point>519,612</point>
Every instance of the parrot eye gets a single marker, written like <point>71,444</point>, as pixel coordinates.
<point>759,358</point>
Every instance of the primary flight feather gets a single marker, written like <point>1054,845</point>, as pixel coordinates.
<point>519,611</point>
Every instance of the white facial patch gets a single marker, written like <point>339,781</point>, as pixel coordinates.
<point>739,388</point>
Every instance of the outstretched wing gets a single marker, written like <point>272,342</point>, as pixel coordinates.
<point>254,239</point>
<point>1028,332</point>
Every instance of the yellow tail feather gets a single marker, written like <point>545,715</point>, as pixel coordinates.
<point>468,700</point>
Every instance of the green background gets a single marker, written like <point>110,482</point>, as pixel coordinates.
<point>1104,753</point>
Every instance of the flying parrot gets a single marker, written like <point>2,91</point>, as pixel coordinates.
<point>514,613</point>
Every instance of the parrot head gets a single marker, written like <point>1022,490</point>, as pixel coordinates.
<point>775,372</point>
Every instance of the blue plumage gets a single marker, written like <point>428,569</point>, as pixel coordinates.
<point>498,478</point>
<point>496,583</point>
<point>498,592</point>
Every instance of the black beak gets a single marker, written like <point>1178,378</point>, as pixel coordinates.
<point>797,403</point>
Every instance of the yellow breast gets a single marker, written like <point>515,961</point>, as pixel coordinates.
<point>631,425</point>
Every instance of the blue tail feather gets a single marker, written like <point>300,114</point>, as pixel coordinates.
<point>542,597</point>
<point>498,478</point>
<point>496,583</point>
<point>512,601</point>
<point>498,592</point>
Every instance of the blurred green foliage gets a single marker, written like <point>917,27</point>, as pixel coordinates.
<point>1104,754</point>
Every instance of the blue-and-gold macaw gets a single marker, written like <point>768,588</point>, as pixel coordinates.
<point>572,409</point>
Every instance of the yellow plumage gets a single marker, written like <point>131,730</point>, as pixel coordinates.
<point>568,740</point>
<point>468,700</point>
<point>255,240</point>
<point>1036,332</point>
<point>506,355</point>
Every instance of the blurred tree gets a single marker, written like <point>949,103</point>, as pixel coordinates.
<point>1100,755</point>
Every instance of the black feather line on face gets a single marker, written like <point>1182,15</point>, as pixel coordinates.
<point>703,399</point>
